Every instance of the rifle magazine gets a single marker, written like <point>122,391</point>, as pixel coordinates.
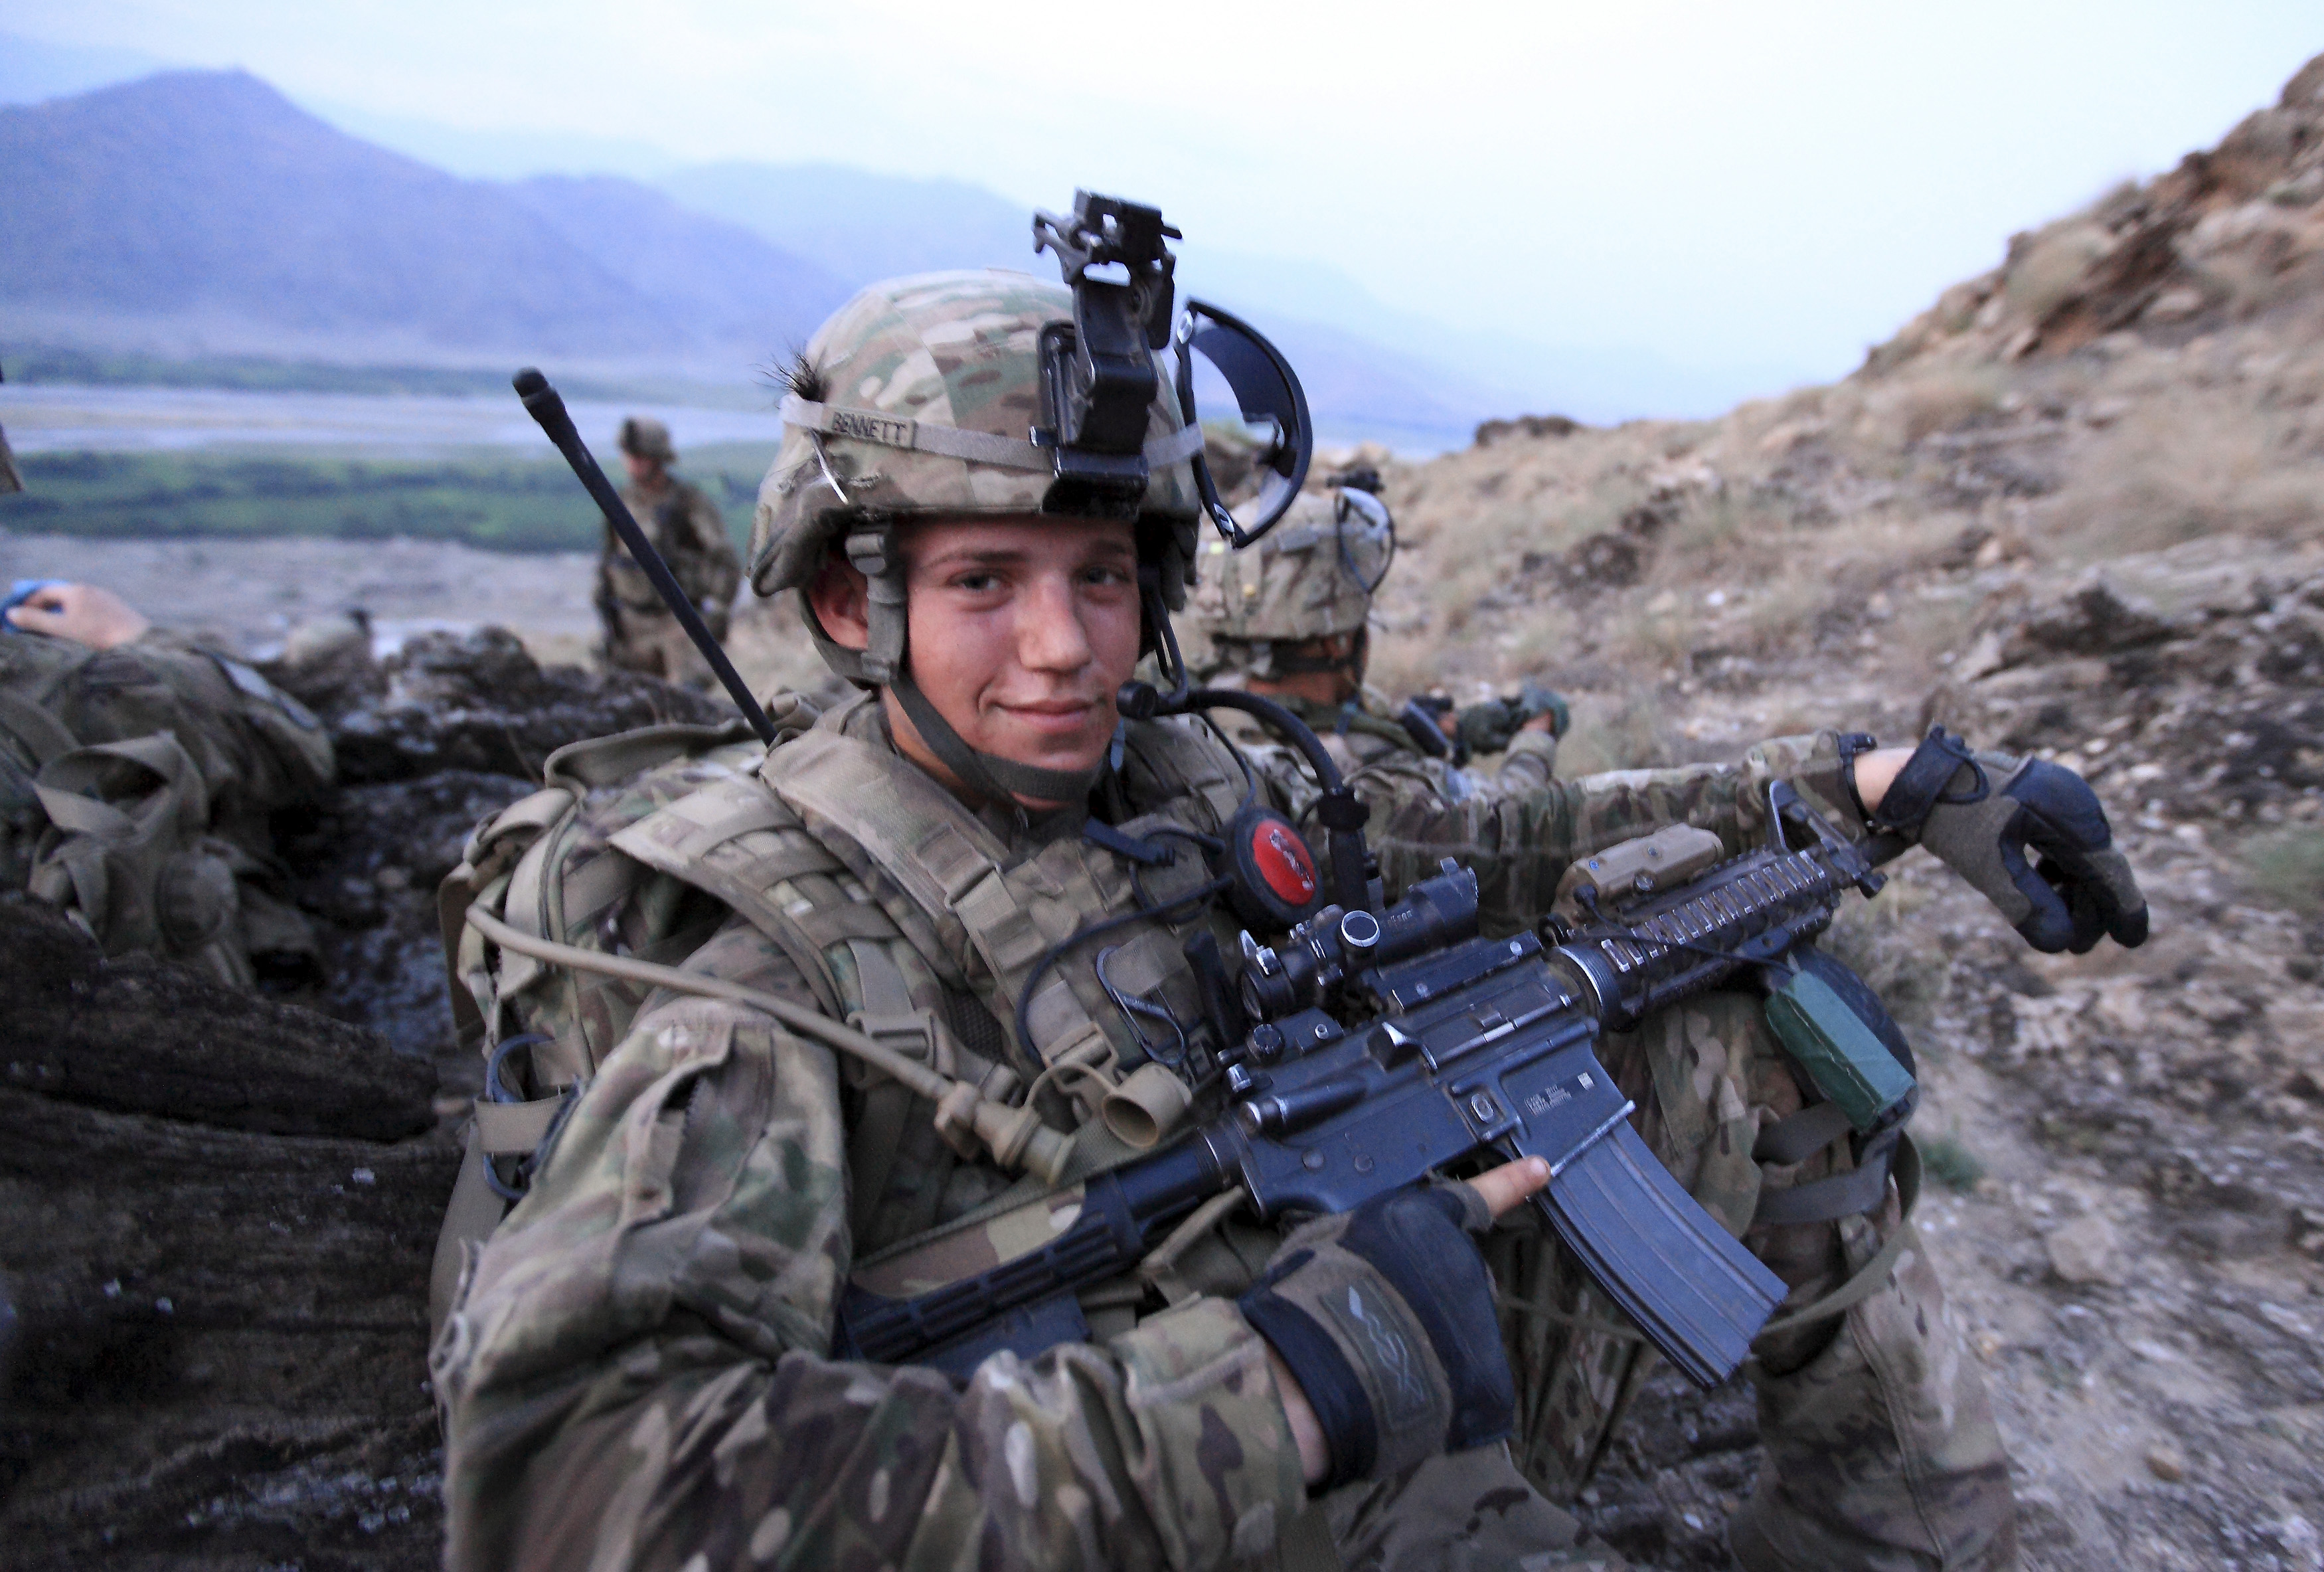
<point>1690,1285</point>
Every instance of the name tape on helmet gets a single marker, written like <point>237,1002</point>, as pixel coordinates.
<point>951,442</point>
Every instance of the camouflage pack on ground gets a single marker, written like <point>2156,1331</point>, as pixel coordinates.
<point>135,788</point>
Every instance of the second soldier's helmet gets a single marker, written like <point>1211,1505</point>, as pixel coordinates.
<point>646,437</point>
<point>1312,577</point>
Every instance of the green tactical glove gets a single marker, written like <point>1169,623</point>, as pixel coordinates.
<point>1385,1315</point>
<point>1485,728</point>
<point>1489,727</point>
<point>1536,699</point>
<point>1980,814</point>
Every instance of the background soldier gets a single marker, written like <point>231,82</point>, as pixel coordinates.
<point>1287,618</point>
<point>639,1368</point>
<point>9,479</point>
<point>138,774</point>
<point>684,524</point>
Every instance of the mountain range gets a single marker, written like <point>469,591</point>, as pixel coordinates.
<point>203,213</point>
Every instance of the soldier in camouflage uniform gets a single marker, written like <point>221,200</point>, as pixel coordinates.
<point>685,526</point>
<point>638,1369</point>
<point>1287,619</point>
<point>9,479</point>
<point>138,775</point>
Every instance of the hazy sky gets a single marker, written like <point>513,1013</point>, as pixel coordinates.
<point>1721,183</point>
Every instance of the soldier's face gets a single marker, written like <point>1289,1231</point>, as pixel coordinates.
<point>1021,631</point>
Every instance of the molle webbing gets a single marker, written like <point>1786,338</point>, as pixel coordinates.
<point>739,842</point>
<point>543,866</point>
<point>950,866</point>
<point>904,910</point>
<point>996,912</point>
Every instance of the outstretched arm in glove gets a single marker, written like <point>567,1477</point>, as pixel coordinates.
<point>2028,834</point>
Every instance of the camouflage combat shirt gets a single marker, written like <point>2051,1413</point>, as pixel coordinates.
<point>639,1373</point>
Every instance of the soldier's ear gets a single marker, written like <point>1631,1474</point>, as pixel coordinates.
<point>841,600</point>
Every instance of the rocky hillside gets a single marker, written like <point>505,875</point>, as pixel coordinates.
<point>2075,508</point>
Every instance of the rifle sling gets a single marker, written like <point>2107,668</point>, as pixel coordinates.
<point>1843,1195</point>
<point>1873,1275</point>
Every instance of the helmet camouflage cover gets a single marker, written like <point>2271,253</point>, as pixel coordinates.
<point>647,437</point>
<point>881,383</point>
<point>1310,578</point>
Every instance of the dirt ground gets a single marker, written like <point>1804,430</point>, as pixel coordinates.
<point>2075,510</point>
<point>246,595</point>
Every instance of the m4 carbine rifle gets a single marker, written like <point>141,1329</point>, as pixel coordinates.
<point>1387,1046</point>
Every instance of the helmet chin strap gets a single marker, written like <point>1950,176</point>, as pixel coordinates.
<point>1000,779</point>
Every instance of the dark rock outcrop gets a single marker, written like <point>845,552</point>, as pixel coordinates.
<point>216,1255</point>
<point>479,702</point>
<point>217,1212</point>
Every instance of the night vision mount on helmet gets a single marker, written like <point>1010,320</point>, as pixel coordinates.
<point>1097,374</point>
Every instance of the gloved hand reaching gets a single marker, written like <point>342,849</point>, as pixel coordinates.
<point>1490,726</point>
<point>1980,814</point>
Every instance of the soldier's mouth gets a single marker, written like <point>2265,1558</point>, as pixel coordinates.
<point>1058,717</point>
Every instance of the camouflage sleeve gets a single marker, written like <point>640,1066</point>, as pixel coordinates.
<point>1520,842</point>
<point>637,1374</point>
<point>1529,764</point>
<point>721,568</point>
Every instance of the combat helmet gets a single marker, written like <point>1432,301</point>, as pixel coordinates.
<point>1312,577</point>
<point>644,437</point>
<point>993,393</point>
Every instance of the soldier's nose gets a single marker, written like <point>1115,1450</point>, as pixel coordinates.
<point>1050,636</point>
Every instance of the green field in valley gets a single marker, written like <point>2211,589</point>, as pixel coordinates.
<point>504,504</point>
<point>33,364</point>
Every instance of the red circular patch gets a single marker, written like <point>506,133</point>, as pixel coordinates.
<point>1282,860</point>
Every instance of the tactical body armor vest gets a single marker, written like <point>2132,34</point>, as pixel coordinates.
<point>917,921</point>
<point>910,918</point>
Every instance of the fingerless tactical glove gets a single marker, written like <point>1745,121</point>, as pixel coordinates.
<point>1385,1315</point>
<point>1981,813</point>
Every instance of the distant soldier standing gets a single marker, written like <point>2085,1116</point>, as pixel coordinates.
<point>9,479</point>
<point>640,634</point>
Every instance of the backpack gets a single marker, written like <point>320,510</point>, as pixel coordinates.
<point>546,865</point>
